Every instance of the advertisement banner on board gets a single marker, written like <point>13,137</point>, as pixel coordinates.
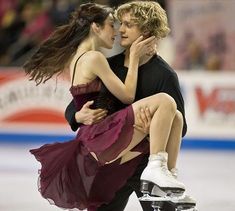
<point>27,108</point>
<point>209,103</point>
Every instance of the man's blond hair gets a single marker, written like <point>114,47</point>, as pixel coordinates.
<point>148,15</point>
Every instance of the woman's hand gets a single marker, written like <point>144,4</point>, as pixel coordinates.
<point>142,47</point>
<point>143,120</point>
<point>89,116</point>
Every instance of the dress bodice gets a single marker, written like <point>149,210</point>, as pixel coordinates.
<point>94,90</point>
<point>85,92</point>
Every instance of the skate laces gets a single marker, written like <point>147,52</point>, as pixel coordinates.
<point>166,170</point>
<point>174,172</point>
<point>163,156</point>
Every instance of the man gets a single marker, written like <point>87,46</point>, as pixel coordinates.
<point>155,76</point>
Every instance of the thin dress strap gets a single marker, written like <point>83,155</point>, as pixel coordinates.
<point>75,67</point>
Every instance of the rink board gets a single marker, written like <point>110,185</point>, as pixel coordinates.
<point>30,113</point>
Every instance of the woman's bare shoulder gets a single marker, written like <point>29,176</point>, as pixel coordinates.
<point>95,55</point>
<point>96,59</point>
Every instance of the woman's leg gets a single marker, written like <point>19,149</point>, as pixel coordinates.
<point>174,141</point>
<point>163,109</point>
<point>157,171</point>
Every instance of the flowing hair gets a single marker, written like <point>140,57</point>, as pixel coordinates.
<point>148,15</point>
<point>55,52</point>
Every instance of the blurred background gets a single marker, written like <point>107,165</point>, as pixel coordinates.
<point>201,49</point>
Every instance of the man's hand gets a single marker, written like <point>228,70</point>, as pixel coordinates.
<point>143,120</point>
<point>89,116</point>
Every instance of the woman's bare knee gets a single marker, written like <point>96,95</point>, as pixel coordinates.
<point>161,101</point>
<point>167,102</point>
<point>178,117</point>
<point>178,120</point>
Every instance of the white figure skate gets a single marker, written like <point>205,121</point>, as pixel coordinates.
<point>159,197</point>
<point>157,174</point>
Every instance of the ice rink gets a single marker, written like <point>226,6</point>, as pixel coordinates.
<point>208,174</point>
<point>200,48</point>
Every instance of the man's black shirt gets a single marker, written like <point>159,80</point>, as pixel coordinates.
<point>154,77</point>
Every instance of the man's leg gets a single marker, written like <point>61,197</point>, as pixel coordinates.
<point>133,184</point>
<point>120,200</point>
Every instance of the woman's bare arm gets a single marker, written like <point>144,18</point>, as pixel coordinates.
<point>99,66</point>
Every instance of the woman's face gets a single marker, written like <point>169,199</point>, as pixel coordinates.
<point>107,33</point>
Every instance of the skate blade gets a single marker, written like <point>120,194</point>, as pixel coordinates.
<point>181,204</point>
<point>158,202</point>
<point>174,200</point>
<point>153,198</point>
<point>148,187</point>
<point>185,207</point>
<point>176,193</point>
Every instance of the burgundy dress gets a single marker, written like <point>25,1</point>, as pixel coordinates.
<point>70,177</point>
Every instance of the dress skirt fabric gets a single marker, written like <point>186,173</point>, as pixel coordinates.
<point>70,177</point>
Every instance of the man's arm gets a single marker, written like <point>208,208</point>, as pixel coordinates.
<point>70,116</point>
<point>85,116</point>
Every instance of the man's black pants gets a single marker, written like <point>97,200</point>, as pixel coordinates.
<point>133,185</point>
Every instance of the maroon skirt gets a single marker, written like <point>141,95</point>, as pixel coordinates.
<point>70,177</point>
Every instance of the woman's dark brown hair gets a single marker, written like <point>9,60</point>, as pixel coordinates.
<point>54,53</point>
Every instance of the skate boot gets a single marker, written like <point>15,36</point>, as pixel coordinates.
<point>185,201</point>
<point>174,173</point>
<point>157,174</point>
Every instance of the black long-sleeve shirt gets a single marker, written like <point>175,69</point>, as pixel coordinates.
<point>154,77</point>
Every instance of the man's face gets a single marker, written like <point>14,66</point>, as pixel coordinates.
<point>129,30</point>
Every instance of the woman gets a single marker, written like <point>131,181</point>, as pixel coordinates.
<point>72,173</point>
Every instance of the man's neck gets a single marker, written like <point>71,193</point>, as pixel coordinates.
<point>143,59</point>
